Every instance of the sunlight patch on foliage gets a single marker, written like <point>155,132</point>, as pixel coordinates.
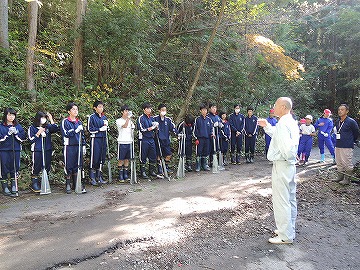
<point>275,55</point>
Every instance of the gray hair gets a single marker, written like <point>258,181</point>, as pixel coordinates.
<point>286,101</point>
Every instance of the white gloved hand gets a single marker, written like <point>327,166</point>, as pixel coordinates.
<point>326,135</point>
<point>43,134</point>
<point>103,128</point>
<point>84,150</point>
<point>216,124</point>
<point>221,125</point>
<point>130,114</point>
<point>106,122</point>
<point>155,124</point>
<point>79,128</point>
<point>11,130</point>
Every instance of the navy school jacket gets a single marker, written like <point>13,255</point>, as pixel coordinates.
<point>36,142</point>
<point>189,128</point>
<point>166,126</point>
<point>203,127</point>
<point>70,137</point>
<point>237,122</point>
<point>95,122</point>
<point>11,142</point>
<point>143,123</point>
<point>251,125</point>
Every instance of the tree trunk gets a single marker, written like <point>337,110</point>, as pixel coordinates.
<point>78,66</point>
<point>201,65</point>
<point>4,26</point>
<point>30,55</point>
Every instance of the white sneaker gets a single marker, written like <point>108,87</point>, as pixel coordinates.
<point>276,231</point>
<point>278,240</point>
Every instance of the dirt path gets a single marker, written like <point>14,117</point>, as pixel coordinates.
<point>206,221</point>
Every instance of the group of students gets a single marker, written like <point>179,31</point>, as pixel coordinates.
<point>212,132</point>
<point>308,131</point>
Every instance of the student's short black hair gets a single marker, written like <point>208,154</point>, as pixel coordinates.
<point>6,112</point>
<point>70,105</point>
<point>345,105</point>
<point>212,105</point>
<point>97,103</point>
<point>235,105</point>
<point>37,118</point>
<point>221,114</point>
<point>161,105</point>
<point>189,119</point>
<point>202,106</point>
<point>124,107</point>
<point>146,105</point>
<point>249,108</point>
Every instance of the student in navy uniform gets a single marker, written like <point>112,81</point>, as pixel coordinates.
<point>39,134</point>
<point>11,136</point>
<point>225,135</point>
<point>71,130</point>
<point>250,135</point>
<point>325,125</point>
<point>203,134</point>
<point>146,126</point>
<point>97,126</point>
<point>272,121</point>
<point>125,139</point>
<point>237,123</point>
<point>166,127</point>
<point>215,118</point>
<point>188,125</point>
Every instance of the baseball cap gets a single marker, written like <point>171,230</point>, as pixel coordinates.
<point>327,111</point>
<point>272,110</point>
<point>309,117</point>
<point>302,121</point>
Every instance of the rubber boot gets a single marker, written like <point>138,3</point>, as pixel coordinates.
<point>205,161</point>
<point>237,159</point>
<point>5,188</point>
<point>142,172</point>
<point>13,186</point>
<point>34,186</point>
<point>251,158</point>
<point>68,185</point>
<point>197,164</point>
<point>121,174</point>
<point>225,160</point>
<point>322,158</point>
<point>152,170</point>
<point>167,165</point>
<point>99,177</point>
<point>346,180</point>
<point>159,168</point>
<point>247,157</point>
<point>188,166</point>
<point>126,173</point>
<point>334,161</point>
<point>93,178</point>
<point>232,159</point>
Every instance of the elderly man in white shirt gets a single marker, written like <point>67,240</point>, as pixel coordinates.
<point>282,151</point>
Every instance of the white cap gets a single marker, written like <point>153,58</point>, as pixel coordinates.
<point>309,117</point>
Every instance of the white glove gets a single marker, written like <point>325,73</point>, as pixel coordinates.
<point>43,134</point>
<point>155,124</point>
<point>130,114</point>
<point>221,125</point>
<point>11,130</point>
<point>106,122</point>
<point>84,150</point>
<point>216,124</point>
<point>324,133</point>
<point>103,128</point>
<point>79,128</point>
